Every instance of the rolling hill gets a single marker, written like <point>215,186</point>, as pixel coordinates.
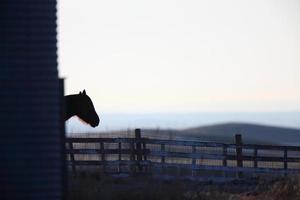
<point>251,133</point>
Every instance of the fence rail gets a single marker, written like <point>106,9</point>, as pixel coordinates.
<point>181,158</point>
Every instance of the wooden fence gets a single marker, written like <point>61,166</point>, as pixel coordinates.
<point>178,158</point>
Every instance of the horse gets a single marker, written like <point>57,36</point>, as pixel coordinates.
<point>81,105</point>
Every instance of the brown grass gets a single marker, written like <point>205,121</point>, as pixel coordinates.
<point>92,186</point>
<point>282,189</point>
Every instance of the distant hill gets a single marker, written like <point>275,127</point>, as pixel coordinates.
<point>251,133</point>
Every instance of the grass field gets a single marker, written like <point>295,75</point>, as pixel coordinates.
<point>93,185</point>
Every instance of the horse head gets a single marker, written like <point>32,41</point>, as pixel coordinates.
<point>86,110</point>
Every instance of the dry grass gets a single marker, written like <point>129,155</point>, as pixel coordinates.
<point>282,189</point>
<point>92,186</point>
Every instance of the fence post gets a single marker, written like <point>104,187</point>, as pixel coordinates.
<point>145,156</point>
<point>255,158</point>
<point>132,157</point>
<point>224,158</point>
<point>193,160</point>
<point>138,148</point>
<point>120,156</point>
<point>239,153</point>
<point>72,158</point>
<point>103,156</point>
<point>162,148</point>
<point>225,155</point>
<point>285,161</point>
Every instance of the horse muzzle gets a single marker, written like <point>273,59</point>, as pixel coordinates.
<point>95,123</point>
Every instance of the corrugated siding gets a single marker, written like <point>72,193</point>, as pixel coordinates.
<point>30,102</point>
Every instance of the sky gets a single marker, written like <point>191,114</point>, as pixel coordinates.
<point>182,56</point>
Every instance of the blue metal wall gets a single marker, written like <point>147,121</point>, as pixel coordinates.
<point>31,127</point>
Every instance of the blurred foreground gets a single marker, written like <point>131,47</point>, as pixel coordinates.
<point>93,185</point>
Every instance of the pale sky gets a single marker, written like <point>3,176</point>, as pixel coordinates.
<point>182,56</point>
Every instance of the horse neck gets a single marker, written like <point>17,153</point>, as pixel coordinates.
<point>71,106</point>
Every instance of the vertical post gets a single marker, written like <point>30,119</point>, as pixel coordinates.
<point>224,159</point>
<point>103,156</point>
<point>193,160</point>
<point>255,158</point>
<point>120,156</point>
<point>145,150</point>
<point>162,148</point>
<point>72,158</point>
<point>145,156</point>
<point>224,155</point>
<point>63,138</point>
<point>138,148</point>
<point>239,153</point>
<point>132,158</point>
<point>285,160</point>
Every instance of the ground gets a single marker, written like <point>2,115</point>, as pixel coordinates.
<point>92,186</point>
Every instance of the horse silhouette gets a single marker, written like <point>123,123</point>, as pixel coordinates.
<point>81,105</point>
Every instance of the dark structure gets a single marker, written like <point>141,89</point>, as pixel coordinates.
<point>31,96</point>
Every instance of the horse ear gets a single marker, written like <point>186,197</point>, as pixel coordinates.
<point>84,92</point>
<point>79,92</point>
